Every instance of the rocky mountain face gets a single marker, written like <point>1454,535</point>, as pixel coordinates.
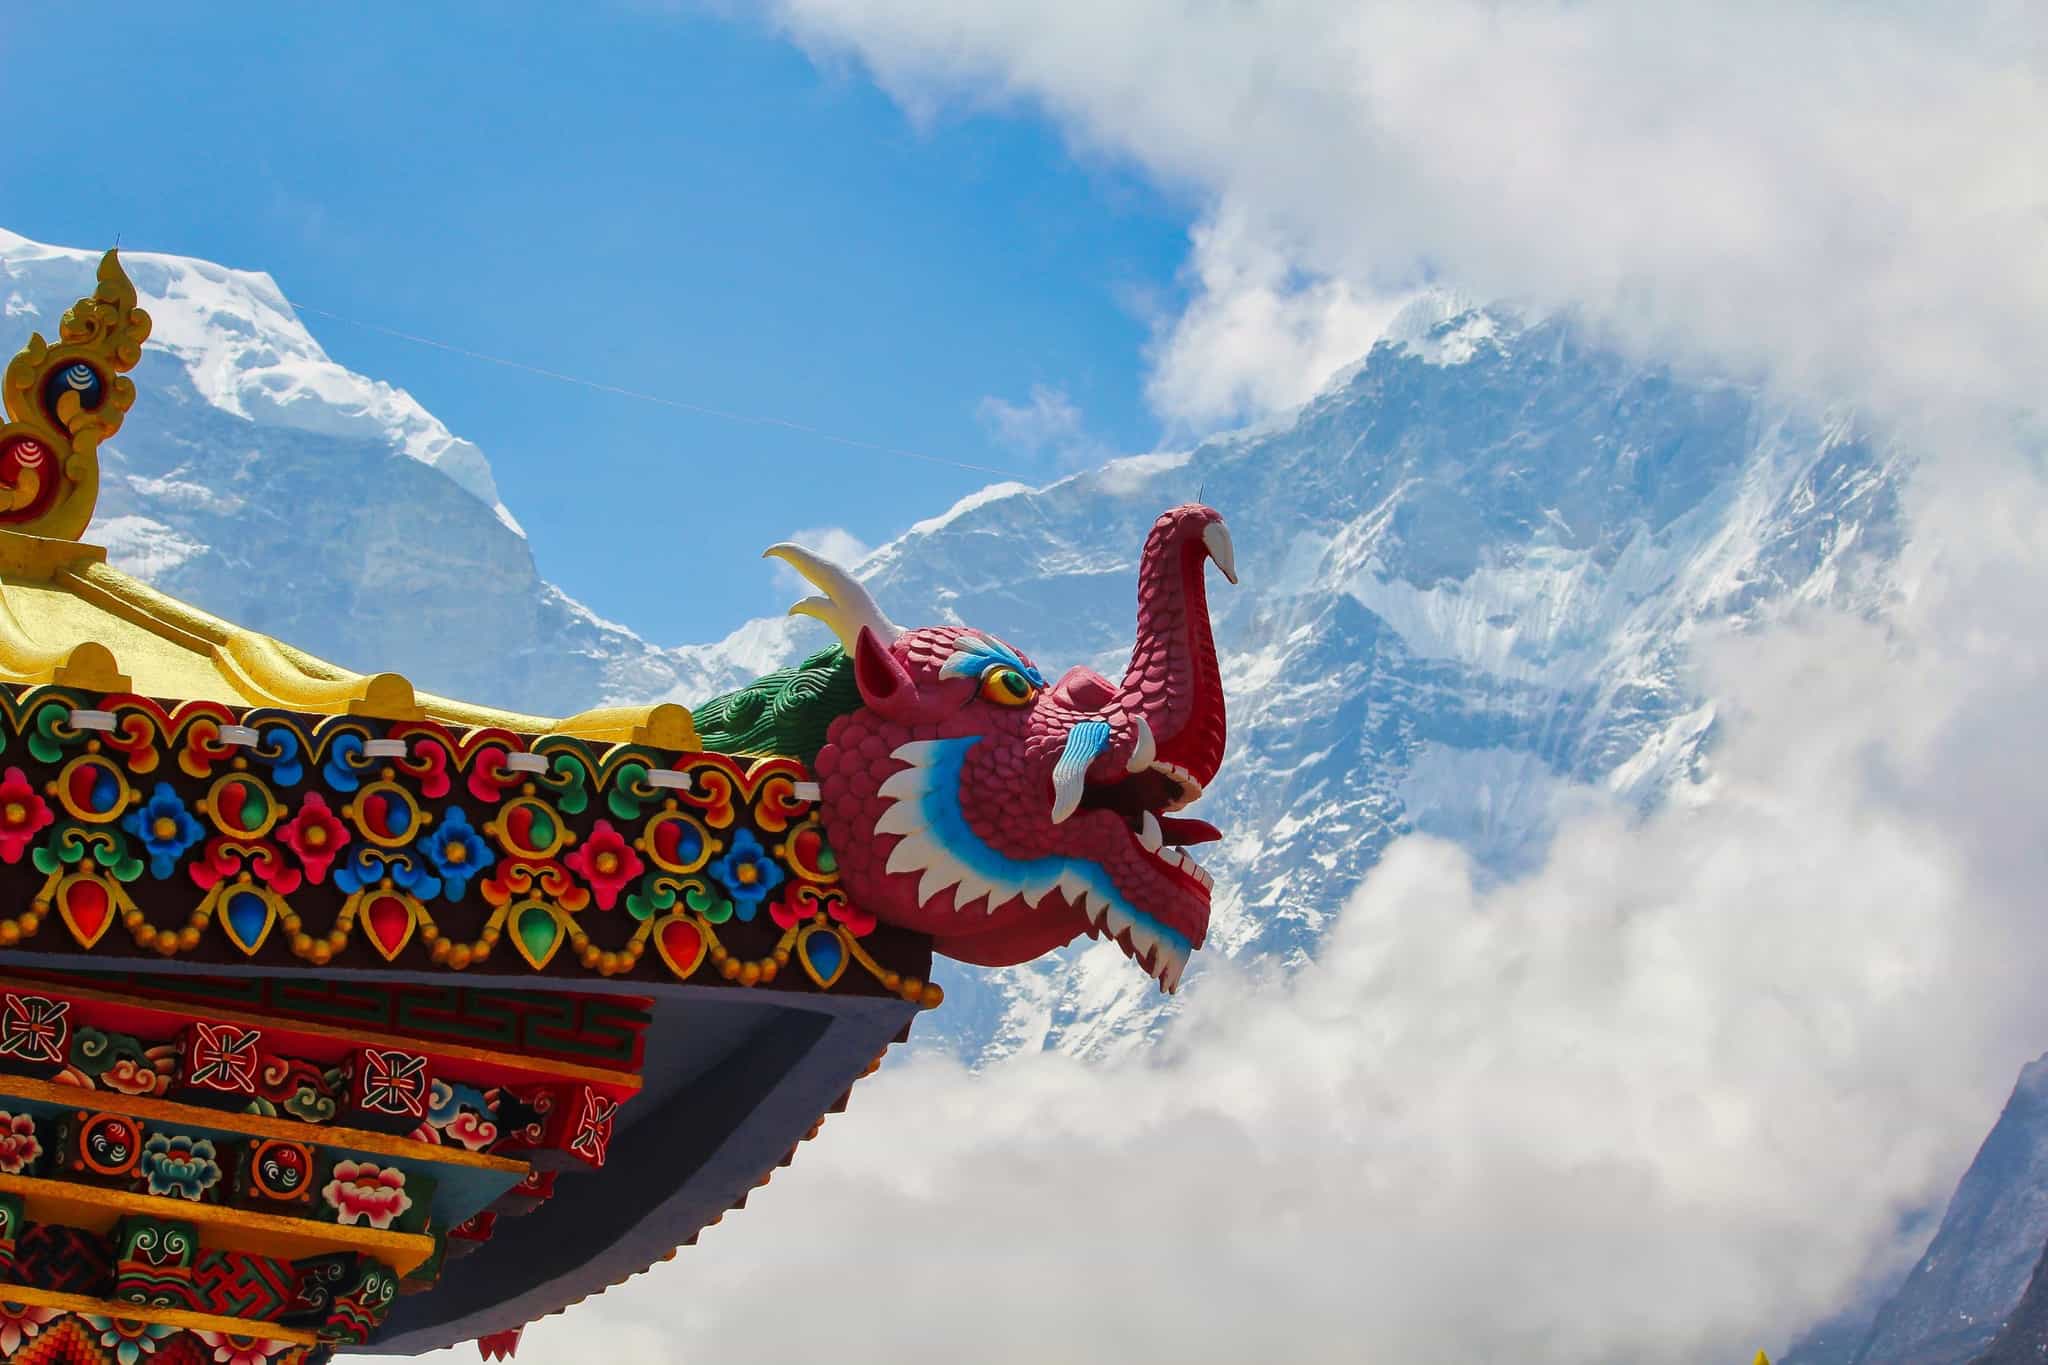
<point>2024,1338</point>
<point>1977,1294</point>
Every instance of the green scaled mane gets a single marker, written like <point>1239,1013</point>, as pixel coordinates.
<point>785,712</point>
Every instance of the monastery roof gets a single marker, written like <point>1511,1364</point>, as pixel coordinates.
<point>236,840</point>
<point>67,617</point>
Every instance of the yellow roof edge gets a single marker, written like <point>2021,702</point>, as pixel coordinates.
<point>39,559</point>
<point>250,666</point>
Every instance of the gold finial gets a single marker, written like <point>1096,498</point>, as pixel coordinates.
<point>61,402</point>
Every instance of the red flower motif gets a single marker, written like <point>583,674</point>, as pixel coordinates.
<point>18,1145</point>
<point>22,814</point>
<point>488,776</point>
<point>804,901</point>
<point>20,1322</point>
<point>316,835</point>
<point>858,921</point>
<point>607,862</point>
<point>429,766</point>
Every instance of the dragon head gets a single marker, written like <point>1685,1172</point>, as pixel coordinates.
<point>970,797</point>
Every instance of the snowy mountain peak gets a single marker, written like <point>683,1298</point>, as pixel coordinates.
<point>246,353</point>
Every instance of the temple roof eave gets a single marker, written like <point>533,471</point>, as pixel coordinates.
<point>66,616</point>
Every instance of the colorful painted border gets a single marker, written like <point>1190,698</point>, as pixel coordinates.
<point>280,840</point>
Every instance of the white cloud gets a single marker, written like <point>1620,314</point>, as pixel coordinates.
<point>1847,193</point>
<point>1258,336</point>
<point>1048,423</point>
<point>1659,1102</point>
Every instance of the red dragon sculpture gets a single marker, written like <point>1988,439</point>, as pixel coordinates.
<point>972,799</point>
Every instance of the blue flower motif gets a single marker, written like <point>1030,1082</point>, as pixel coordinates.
<point>457,851</point>
<point>344,760</point>
<point>285,767</point>
<point>367,866</point>
<point>165,828</point>
<point>179,1167</point>
<point>747,873</point>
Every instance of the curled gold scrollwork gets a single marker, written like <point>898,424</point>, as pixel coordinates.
<point>61,402</point>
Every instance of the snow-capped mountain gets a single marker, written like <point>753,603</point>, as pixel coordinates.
<point>1470,569</point>
<point>258,478</point>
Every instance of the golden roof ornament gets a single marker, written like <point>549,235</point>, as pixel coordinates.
<point>61,402</point>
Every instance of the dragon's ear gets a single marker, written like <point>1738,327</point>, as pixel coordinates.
<point>885,684</point>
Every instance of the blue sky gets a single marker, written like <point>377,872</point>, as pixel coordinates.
<point>666,202</point>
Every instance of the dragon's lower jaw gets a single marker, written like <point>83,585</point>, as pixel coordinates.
<point>1118,870</point>
<point>1055,922</point>
<point>1163,958</point>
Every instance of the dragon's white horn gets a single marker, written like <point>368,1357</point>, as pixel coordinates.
<point>846,605</point>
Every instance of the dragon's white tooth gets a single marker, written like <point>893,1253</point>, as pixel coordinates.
<point>913,853</point>
<point>907,785</point>
<point>1149,833</point>
<point>902,817</point>
<point>935,880</point>
<point>969,889</point>
<point>1146,750</point>
<point>918,752</point>
<point>1034,896</point>
<point>1119,922</point>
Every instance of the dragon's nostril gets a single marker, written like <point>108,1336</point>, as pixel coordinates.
<point>1086,690</point>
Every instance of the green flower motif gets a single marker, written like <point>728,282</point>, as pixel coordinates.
<point>68,842</point>
<point>568,777</point>
<point>630,792</point>
<point>705,900</point>
<point>43,739</point>
<point>129,1341</point>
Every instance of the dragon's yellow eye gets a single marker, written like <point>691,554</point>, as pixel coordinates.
<point>1007,687</point>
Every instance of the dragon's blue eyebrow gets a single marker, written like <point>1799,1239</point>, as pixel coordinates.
<point>975,655</point>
